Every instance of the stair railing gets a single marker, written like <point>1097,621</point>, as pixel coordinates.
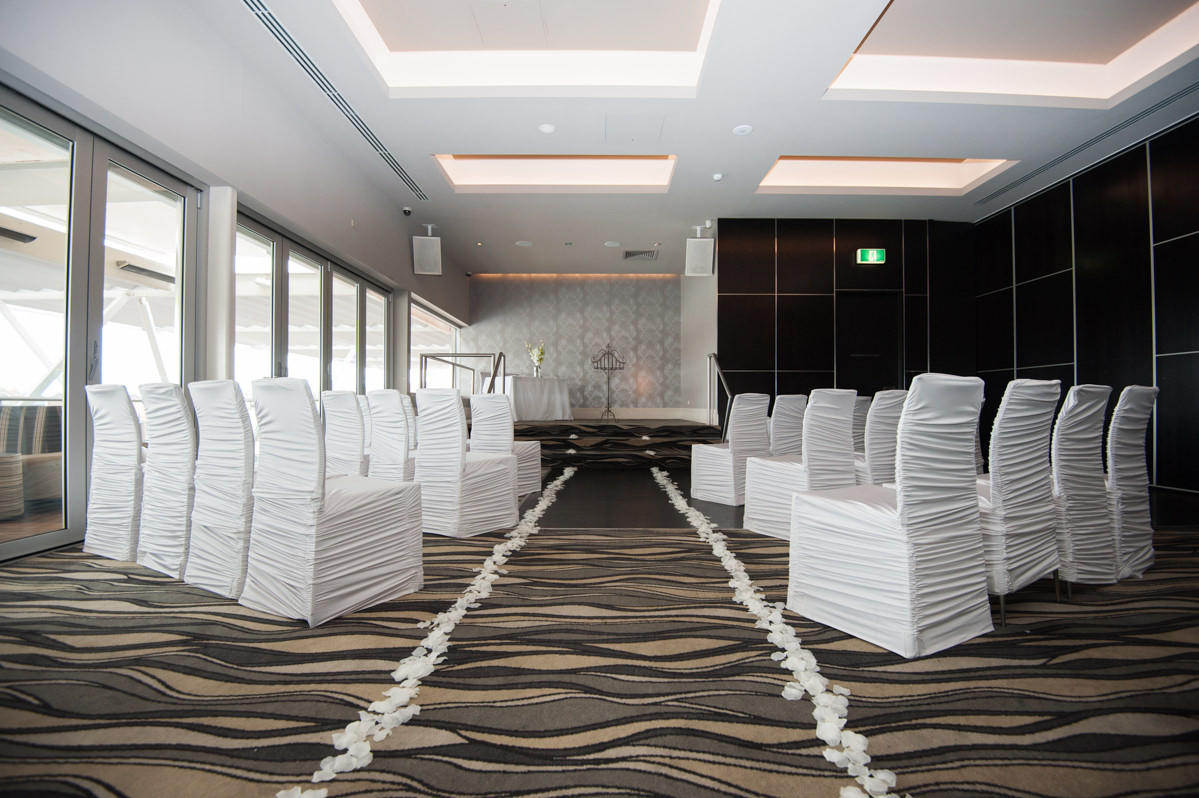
<point>716,374</point>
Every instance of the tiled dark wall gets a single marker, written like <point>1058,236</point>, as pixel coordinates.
<point>795,312</point>
<point>1094,281</point>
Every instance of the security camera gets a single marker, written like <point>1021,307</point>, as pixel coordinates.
<point>470,274</point>
<point>407,211</point>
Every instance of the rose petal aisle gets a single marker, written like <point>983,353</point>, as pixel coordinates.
<point>376,723</point>
<point>846,749</point>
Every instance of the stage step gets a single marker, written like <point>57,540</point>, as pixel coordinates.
<point>629,443</point>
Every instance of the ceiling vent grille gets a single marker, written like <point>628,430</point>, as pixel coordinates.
<point>268,19</point>
<point>640,254</point>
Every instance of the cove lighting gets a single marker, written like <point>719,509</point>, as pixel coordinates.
<point>846,175</point>
<point>557,173</point>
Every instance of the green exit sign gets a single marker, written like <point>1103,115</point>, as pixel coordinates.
<point>872,256</point>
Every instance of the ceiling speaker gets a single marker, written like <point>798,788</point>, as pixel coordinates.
<point>426,255</point>
<point>701,255</point>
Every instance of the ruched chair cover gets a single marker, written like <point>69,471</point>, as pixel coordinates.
<point>1128,480</point>
<point>786,423</point>
<point>827,462</point>
<point>877,464</point>
<point>718,469</point>
<point>114,492</point>
<point>322,547</point>
<point>168,479</point>
<point>902,566</point>
<point>390,456</point>
<point>491,430</point>
<point>861,411</point>
<point>344,434</point>
<point>463,493</point>
<point>364,407</point>
<point>220,530</point>
<point>1086,544</point>
<point>1015,497</point>
<point>410,417</point>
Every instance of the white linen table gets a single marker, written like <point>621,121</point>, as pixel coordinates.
<point>539,398</point>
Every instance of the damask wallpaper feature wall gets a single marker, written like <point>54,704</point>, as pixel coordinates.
<point>576,316</point>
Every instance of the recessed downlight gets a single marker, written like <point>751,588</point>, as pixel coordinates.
<point>524,243</point>
<point>611,243</point>
<point>546,128</point>
<point>743,130</point>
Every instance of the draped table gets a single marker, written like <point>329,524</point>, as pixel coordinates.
<point>539,398</point>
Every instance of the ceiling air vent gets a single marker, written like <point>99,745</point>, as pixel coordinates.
<point>641,254</point>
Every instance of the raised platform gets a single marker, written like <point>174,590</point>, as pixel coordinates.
<point>626,443</point>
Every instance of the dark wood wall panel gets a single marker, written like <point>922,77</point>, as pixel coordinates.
<point>1176,295</point>
<point>1045,321</point>
<point>993,331</point>
<point>993,253</point>
<point>869,341</point>
<point>1174,163</point>
<point>915,333</point>
<point>1043,234</point>
<point>745,332</point>
<point>855,234</point>
<point>915,256</point>
<point>951,292</point>
<point>805,256</point>
<point>1112,280</point>
<point>806,335</point>
<point>745,256</point>
<point>803,381</point>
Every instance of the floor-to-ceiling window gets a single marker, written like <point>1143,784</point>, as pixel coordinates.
<point>376,338</point>
<point>429,333</point>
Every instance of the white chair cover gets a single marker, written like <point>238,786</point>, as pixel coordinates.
<point>491,430</point>
<point>364,407</point>
<point>1128,480</point>
<point>827,462</point>
<point>390,457</point>
<point>322,548</point>
<point>901,567</point>
<point>463,494</point>
<point>168,487</point>
<point>980,467</point>
<point>343,434</point>
<point>1086,544</point>
<point>114,492</point>
<point>718,469</point>
<point>877,464</point>
<point>220,531</point>
<point>786,424</point>
<point>861,410</point>
<point>1016,498</point>
<point>410,417</point>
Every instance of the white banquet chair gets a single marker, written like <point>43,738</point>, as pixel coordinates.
<point>827,462</point>
<point>901,566</point>
<point>463,493</point>
<point>492,430</point>
<point>168,475</point>
<point>1015,498</point>
<point>1128,480</point>
<point>224,503</point>
<point>718,469</point>
<point>410,417</point>
<point>876,464</point>
<point>344,436</point>
<point>364,407</point>
<point>1086,545</point>
<point>114,491</point>
<point>786,423</point>
<point>861,411</point>
<point>322,547</point>
<point>390,456</point>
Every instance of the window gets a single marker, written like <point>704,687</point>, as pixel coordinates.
<point>375,368</point>
<point>430,334</point>
<point>253,275</point>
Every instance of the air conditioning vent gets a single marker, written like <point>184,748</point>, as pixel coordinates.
<point>641,254</point>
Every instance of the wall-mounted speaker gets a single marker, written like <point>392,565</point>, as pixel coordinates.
<point>701,256</point>
<point>426,255</point>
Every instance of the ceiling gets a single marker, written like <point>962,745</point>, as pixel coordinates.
<point>941,109</point>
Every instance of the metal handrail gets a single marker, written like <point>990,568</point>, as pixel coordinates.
<point>714,368</point>
<point>442,357</point>
<point>500,362</point>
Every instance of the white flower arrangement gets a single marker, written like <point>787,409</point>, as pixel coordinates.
<point>846,749</point>
<point>382,716</point>
<point>537,355</point>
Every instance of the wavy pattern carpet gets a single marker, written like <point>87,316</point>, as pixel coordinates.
<point>606,663</point>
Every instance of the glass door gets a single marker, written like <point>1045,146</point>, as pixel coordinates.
<point>304,277</point>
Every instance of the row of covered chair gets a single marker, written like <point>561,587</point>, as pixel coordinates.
<point>1035,514</point>
<point>303,532</point>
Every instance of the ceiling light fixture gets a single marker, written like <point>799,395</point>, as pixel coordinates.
<point>611,243</point>
<point>524,243</point>
<point>546,128</point>
<point>572,174</point>
<point>718,176</point>
<point>743,130</point>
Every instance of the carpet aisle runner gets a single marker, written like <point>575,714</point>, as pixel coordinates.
<point>846,749</point>
<point>375,724</point>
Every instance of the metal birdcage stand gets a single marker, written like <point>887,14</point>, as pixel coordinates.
<point>608,361</point>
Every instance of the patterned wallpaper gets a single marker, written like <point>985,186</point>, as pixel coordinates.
<point>576,315</point>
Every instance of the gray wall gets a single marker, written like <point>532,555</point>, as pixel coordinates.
<point>576,315</point>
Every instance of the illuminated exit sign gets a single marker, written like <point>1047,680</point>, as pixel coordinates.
<point>872,256</point>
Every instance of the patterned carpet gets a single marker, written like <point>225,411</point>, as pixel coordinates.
<point>606,663</point>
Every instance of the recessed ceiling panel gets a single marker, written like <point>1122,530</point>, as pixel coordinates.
<point>846,175</point>
<point>557,173</point>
